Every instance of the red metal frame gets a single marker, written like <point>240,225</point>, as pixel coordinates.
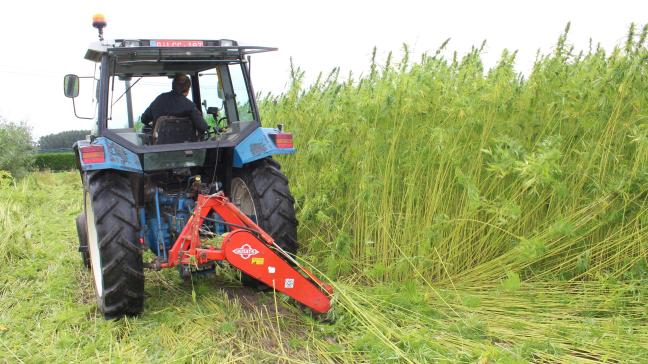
<point>247,247</point>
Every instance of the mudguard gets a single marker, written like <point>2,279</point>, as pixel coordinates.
<point>116,157</point>
<point>256,146</point>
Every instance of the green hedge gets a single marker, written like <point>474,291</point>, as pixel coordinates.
<point>55,161</point>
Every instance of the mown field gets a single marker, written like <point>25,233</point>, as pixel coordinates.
<point>462,215</point>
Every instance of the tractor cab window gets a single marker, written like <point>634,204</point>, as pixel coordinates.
<point>125,111</point>
<point>241,94</point>
<point>224,101</point>
<point>211,94</point>
<point>232,104</point>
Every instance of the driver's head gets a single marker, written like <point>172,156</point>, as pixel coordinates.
<point>181,84</point>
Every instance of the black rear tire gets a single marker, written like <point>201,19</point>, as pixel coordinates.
<point>115,256</point>
<point>273,205</point>
<point>82,232</point>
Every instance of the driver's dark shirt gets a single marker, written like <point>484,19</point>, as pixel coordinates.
<point>173,103</point>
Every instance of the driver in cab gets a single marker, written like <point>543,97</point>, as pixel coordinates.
<point>175,103</point>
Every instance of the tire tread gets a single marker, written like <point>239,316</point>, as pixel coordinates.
<point>117,232</point>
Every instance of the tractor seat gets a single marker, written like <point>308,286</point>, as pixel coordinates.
<point>174,129</point>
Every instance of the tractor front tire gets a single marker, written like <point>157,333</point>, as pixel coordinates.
<point>260,190</point>
<point>112,231</point>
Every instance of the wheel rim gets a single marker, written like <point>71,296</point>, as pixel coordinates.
<point>242,198</point>
<point>93,246</point>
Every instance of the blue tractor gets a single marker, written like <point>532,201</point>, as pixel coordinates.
<point>141,184</point>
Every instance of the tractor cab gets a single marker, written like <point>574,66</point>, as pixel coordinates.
<point>133,72</point>
<point>140,69</point>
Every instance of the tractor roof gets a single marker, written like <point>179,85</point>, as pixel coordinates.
<point>142,57</point>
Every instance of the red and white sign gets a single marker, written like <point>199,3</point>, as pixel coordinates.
<point>246,251</point>
<point>176,43</point>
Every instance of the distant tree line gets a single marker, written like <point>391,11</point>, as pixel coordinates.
<point>64,139</point>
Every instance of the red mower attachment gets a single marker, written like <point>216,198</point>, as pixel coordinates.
<point>247,247</point>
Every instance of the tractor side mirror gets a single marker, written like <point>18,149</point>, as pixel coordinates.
<point>71,86</point>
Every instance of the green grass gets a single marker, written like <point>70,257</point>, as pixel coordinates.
<point>462,215</point>
<point>47,309</point>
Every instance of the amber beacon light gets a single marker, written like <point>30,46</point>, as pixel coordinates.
<point>99,22</point>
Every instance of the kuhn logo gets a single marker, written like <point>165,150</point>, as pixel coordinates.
<point>246,251</point>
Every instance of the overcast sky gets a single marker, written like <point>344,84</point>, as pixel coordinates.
<point>44,40</point>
